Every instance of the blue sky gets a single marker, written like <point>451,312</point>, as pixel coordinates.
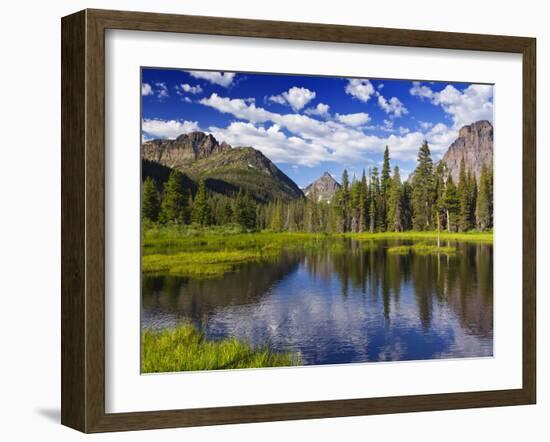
<point>308,125</point>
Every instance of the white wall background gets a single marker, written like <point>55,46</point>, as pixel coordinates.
<point>30,217</point>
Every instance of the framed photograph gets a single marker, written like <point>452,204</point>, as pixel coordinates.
<point>267,221</point>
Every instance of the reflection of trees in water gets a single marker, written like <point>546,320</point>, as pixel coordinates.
<point>463,282</point>
<point>470,295</point>
<point>197,298</point>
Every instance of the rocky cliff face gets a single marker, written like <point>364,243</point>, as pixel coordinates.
<point>475,144</point>
<point>182,151</point>
<point>323,188</point>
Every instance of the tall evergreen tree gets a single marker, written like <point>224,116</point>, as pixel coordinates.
<point>464,201</point>
<point>150,204</point>
<point>363,209</point>
<point>483,209</point>
<point>343,203</point>
<point>202,213</point>
<point>355,203</point>
<point>407,206</point>
<point>472,196</point>
<point>244,212</point>
<point>452,205</point>
<point>423,189</point>
<point>385,182</point>
<point>374,206</point>
<point>395,203</point>
<point>174,206</point>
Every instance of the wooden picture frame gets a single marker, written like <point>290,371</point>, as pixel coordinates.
<point>83,220</point>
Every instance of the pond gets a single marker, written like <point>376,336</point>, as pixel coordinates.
<point>345,302</point>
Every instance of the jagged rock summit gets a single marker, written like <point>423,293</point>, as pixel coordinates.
<point>323,188</point>
<point>183,150</point>
<point>475,144</point>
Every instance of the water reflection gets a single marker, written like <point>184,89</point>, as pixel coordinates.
<point>343,302</point>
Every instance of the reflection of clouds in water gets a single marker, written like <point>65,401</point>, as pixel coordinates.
<point>338,308</point>
<point>309,315</point>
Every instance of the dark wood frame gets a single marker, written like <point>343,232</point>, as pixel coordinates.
<point>83,216</point>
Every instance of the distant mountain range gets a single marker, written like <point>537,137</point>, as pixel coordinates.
<point>226,169</point>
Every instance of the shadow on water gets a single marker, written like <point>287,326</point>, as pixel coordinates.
<point>340,302</point>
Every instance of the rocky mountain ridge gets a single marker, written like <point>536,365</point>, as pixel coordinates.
<point>224,169</point>
<point>183,150</point>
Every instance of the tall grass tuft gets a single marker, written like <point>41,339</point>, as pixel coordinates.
<point>184,348</point>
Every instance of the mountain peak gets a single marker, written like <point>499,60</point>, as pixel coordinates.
<point>323,188</point>
<point>183,150</point>
<point>475,145</point>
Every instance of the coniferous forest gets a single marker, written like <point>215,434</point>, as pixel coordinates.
<point>377,201</point>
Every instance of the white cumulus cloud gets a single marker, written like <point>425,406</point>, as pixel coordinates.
<point>157,128</point>
<point>358,119</point>
<point>360,89</point>
<point>161,90</point>
<point>321,110</point>
<point>146,89</point>
<point>187,88</point>
<point>312,141</point>
<point>296,97</point>
<point>220,78</point>
<point>393,106</point>
<point>464,107</point>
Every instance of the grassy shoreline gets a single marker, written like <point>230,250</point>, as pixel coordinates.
<point>184,348</point>
<point>212,252</point>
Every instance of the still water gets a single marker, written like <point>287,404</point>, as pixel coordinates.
<point>356,303</point>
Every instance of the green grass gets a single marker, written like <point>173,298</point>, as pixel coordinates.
<point>431,235</point>
<point>184,348</point>
<point>432,249</point>
<point>422,249</point>
<point>197,252</point>
<point>200,264</point>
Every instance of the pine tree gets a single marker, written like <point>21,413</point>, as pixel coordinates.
<point>226,212</point>
<point>374,206</point>
<point>483,210</point>
<point>423,188</point>
<point>451,203</point>
<point>150,200</point>
<point>363,209</point>
<point>276,223</point>
<point>407,206</point>
<point>385,182</point>
<point>174,206</point>
<point>472,196</point>
<point>202,213</point>
<point>245,212</point>
<point>439,198</point>
<point>345,202</point>
<point>395,203</point>
<point>311,214</point>
<point>249,212</point>
<point>465,209</point>
<point>355,193</point>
